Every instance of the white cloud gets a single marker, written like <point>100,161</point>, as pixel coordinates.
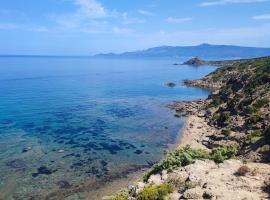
<point>178,20</point>
<point>262,17</point>
<point>122,31</point>
<point>90,9</point>
<point>131,20</point>
<point>146,13</point>
<point>91,16</point>
<point>225,2</point>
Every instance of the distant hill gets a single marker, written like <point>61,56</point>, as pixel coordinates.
<point>205,51</point>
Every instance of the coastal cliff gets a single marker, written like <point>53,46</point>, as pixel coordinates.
<point>224,151</point>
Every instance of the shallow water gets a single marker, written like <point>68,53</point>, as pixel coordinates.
<point>67,123</point>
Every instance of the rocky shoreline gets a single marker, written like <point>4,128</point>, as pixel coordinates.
<point>223,151</point>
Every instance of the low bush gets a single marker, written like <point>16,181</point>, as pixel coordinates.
<point>254,118</point>
<point>223,118</point>
<point>216,101</point>
<point>226,131</point>
<point>253,137</point>
<point>123,195</point>
<point>260,103</point>
<point>224,152</point>
<point>251,109</point>
<point>178,158</point>
<point>186,156</point>
<point>155,192</point>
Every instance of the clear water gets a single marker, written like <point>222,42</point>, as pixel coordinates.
<point>67,123</point>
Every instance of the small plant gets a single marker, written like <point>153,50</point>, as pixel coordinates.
<point>122,195</point>
<point>190,184</point>
<point>254,118</point>
<point>251,109</point>
<point>224,152</point>
<point>243,170</point>
<point>186,156</point>
<point>226,131</point>
<point>155,192</point>
<point>260,103</point>
<point>216,101</point>
<point>264,149</point>
<point>254,171</point>
<point>254,137</point>
<point>223,118</point>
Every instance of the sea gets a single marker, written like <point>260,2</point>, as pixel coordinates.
<point>68,124</point>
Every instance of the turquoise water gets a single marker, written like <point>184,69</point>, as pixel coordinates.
<point>67,123</point>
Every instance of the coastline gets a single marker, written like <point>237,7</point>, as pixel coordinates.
<point>192,134</point>
<point>223,149</point>
<point>196,128</point>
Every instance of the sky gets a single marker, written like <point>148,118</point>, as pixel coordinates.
<point>86,27</point>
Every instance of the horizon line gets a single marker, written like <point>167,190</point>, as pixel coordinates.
<point>96,54</point>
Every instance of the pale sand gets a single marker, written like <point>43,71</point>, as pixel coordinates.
<point>195,131</point>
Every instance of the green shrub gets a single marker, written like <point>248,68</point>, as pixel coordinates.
<point>186,156</point>
<point>251,109</point>
<point>155,192</point>
<point>216,101</point>
<point>226,131</point>
<point>178,158</point>
<point>254,118</point>
<point>260,103</point>
<point>123,195</point>
<point>254,137</point>
<point>224,152</point>
<point>223,118</point>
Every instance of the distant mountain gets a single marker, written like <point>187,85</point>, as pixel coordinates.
<point>205,51</point>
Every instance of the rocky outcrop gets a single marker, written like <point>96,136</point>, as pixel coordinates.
<point>196,61</point>
<point>202,84</point>
<point>208,180</point>
<point>171,84</point>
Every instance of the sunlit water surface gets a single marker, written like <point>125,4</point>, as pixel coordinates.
<point>66,123</point>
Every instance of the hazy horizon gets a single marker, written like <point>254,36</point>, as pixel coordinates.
<point>109,52</point>
<point>87,27</point>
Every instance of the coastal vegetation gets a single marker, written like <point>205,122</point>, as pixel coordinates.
<point>187,155</point>
<point>238,110</point>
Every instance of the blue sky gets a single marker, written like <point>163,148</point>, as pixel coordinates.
<point>85,27</point>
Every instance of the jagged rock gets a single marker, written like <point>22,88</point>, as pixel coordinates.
<point>196,61</point>
<point>164,175</point>
<point>175,196</point>
<point>155,179</point>
<point>193,193</point>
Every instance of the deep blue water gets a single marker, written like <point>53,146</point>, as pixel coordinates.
<point>66,123</point>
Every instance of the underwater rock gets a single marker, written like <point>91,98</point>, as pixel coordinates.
<point>63,184</point>
<point>138,151</point>
<point>26,149</point>
<point>43,170</point>
<point>17,164</point>
<point>103,163</point>
<point>112,148</point>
